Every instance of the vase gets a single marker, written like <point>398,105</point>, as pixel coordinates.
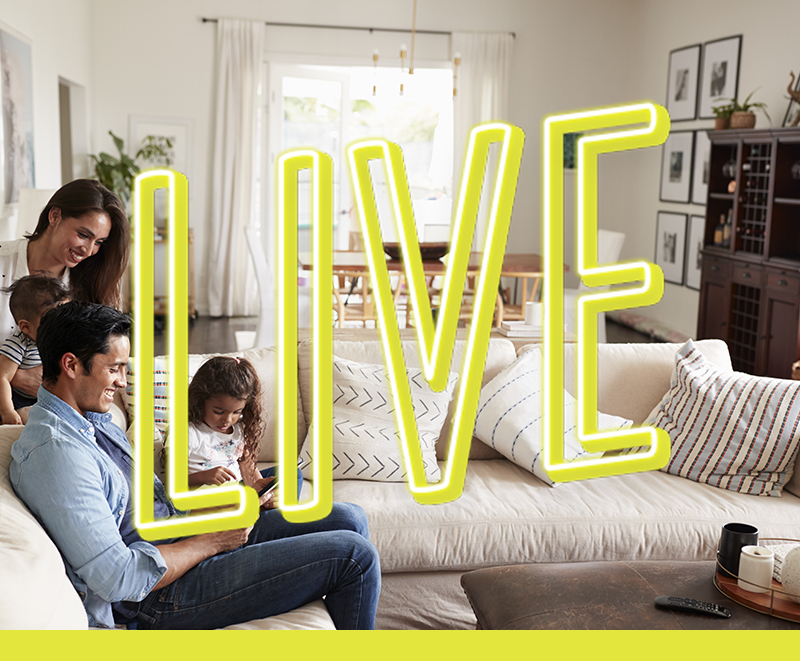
<point>743,120</point>
<point>721,123</point>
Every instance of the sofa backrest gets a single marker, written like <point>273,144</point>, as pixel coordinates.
<point>36,592</point>
<point>632,378</point>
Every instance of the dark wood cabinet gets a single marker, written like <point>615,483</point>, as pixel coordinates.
<point>750,287</point>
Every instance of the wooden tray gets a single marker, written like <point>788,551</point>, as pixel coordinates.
<point>776,602</point>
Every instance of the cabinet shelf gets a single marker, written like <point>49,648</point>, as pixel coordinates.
<point>740,300</point>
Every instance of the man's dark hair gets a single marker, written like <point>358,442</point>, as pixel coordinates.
<point>33,294</point>
<point>83,329</point>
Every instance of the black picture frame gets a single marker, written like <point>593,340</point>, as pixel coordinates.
<point>671,245</point>
<point>701,166</point>
<point>694,251</point>
<point>676,167</point>
<point>683,82</point>
<point>794,107</point>
<point>719,79</point>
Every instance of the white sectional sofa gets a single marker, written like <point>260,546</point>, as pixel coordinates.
<point>505,515</point>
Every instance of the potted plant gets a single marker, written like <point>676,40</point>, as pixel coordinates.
<point>117,173</point>
<point>723,115</point>
<point>743,116</point>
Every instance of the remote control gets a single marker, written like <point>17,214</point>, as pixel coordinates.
<point>692,606</point>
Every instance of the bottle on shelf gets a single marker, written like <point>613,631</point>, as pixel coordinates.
<point>719,230</point>
<point>726,230</point>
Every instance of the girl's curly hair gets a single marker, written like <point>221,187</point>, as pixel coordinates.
<point>237,378</point>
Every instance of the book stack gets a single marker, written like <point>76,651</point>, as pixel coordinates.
<point>520,329</point>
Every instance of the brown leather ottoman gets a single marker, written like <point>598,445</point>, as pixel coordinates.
<point>602,595</point>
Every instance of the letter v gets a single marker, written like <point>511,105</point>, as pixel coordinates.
<point>436,346</point>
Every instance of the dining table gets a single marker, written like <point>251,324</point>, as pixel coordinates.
<point>351,265</point>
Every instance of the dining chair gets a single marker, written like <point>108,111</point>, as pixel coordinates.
<point>352,299</point>
<point>609,247</point>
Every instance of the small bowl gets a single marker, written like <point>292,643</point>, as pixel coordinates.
<point>429,252</point>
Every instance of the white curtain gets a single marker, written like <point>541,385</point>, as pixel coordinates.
<point>231,279</point>
<point>483,81</point>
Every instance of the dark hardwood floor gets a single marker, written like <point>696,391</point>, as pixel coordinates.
<point>619,334</point>
<point>210,334</point>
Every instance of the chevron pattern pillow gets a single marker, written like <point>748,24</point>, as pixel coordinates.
<point>365,437</point>
<point>509,417</point>
<point>728,429</point>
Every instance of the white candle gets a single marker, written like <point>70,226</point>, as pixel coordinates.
<point>533,313</point>
<point>755,569</point>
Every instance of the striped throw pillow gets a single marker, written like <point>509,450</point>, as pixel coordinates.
<point>509,417</point>
<point>728,429</point>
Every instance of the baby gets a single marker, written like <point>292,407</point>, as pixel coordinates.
<point>31,297</point>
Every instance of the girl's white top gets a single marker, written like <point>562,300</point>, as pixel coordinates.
<point>209,448</point>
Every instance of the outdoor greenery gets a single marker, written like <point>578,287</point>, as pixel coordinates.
<point>308,109</point>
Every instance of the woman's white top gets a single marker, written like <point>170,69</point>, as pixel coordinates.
<point>210,449</point>
<point>13,266</point>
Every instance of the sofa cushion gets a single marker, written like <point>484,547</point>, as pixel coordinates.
<point>263,360</point>
<point>505,515</point>
<point>311,616</point>
<point>729,429</point>
<point>36,594</point>
<point>499,354</point>
<point>365,437</point>
<point>793,483</point>
<point>510,417</point>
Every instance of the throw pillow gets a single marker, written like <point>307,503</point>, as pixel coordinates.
<point>510,414</point>
<point>728,429</point>
<point>365,437</point>
<point>160,385</point>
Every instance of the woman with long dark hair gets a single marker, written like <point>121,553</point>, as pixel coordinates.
<point>82,238</point>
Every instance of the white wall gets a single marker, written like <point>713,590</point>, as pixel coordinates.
<point>60,34</point>
<point>769,52</point>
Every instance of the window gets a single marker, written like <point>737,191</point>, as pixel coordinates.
<point>329,107</point>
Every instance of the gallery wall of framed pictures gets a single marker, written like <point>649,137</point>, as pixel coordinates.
<point>700,77</point>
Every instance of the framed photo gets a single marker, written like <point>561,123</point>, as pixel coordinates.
<point>794,106</point>
<point>179,130</point>
<point>682,83</point>
<point>671,245</point>
<point>694,254</point>
<point>676,167</point>
<point>720,77</point>
<point>702,156</point>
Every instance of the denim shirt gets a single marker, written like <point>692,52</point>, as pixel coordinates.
<point>79,496</point>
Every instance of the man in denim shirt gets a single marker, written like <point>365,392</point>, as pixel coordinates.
<point>72,467</point>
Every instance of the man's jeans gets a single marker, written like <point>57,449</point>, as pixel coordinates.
<point>282,567</point>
